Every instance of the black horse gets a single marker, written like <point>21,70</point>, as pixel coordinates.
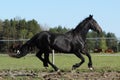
<point>73,41</point>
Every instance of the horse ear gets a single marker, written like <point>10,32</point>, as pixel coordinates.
<point>90,16</point>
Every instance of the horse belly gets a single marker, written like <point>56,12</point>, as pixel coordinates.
<point>62,46</point>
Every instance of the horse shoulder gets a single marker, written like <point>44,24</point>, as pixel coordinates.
<point>78,43</point>
<point>61,43</point>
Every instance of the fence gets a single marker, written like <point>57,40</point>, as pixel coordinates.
<point>106,44</point>
<point>92,43</point>
<point>5,44</point>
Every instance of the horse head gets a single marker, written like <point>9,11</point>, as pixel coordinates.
<point>18,51</point>
<point>93,24</point>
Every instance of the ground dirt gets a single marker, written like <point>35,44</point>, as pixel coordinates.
<point>32,75</point>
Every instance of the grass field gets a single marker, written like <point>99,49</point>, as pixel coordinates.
<point>101,62</point>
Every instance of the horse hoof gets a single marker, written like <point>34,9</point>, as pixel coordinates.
<point>46,68</point>
<point>58,72</point>
<point>74,67</point>
<point>73,71</point>
<point>91,68</point>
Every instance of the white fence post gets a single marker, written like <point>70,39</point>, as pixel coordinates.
<point>53,56</point>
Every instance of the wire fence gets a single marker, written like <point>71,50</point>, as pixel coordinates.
<point>92,43</point>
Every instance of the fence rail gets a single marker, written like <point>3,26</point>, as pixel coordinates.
<point>92,43</point>
<point>86,38</point>
<point>14,40</point>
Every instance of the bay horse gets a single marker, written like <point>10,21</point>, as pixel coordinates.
<point>73,41</point>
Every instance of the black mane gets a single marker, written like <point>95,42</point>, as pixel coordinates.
<point>80,26</point>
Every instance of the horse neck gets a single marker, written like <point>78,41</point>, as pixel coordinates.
<point>26,46</point>
<point>82,30</point>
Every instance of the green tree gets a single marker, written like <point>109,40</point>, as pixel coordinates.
<point>95,42</point>
<point>58,29</point>
<point>16,29</point>
<point>1,27</point>
<point>112,40</point>
<point>23,33</point>
<point>6,29</point>
<point>13,30</point>
<point>54,30</point>
<point>30,34</point>
<point>33,26</point>
<point>103,44</point>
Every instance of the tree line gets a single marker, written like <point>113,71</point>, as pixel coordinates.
<point>14,29</point>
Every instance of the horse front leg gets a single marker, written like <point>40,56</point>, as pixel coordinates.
<point>90,61</point>
<point>79,55</point>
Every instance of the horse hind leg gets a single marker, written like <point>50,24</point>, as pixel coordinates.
<point>48,61</point>
<point>39,55</point>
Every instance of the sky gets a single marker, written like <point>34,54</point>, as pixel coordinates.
<point>67,13</point>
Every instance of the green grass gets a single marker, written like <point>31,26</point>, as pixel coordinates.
<point>63,61</point>
<point>27,62</point>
